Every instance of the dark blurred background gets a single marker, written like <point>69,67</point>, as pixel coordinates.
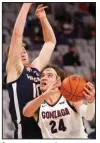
<point>75,29</point>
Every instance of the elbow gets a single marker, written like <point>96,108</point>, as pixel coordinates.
<point>51,44</point>
<point>54,41</point>
<point>26,113</point>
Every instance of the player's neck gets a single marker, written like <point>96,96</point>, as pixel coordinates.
<point>27,65</point>
<point>53,98</point>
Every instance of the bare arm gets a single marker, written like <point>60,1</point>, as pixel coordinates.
<point>49,39</point>
<point>32,106</point>
<point>14,60</point>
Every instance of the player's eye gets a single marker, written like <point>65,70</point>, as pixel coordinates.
<point>50,75</point>
<point>42,75</point>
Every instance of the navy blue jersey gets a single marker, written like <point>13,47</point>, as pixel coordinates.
<point>21,91</point>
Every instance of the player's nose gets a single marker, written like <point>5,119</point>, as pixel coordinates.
<point>44,79</point>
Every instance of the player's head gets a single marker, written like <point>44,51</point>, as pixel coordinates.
<point>49,75</point>
<point>24,54</point>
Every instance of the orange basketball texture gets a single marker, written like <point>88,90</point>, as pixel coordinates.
<point>72,88</point>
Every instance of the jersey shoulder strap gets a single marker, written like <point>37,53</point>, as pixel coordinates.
<point>71,106</point>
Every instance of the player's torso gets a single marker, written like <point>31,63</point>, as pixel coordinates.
<point>26,87</point>
<point>60,121</point>
<point>21,91</point>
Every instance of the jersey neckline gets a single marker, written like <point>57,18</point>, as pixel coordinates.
<point>55,102</point>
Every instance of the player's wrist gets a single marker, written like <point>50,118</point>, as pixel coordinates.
<point>44,95</point>
<point>43,18</point>
<point>91,101</point>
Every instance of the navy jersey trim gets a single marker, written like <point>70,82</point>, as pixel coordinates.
<point>72,107</point>
<point>84,126</point>
<point>35,69</point>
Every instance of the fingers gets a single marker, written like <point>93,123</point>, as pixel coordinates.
<point>86,95</point>
<point>55,90</point>
<point>40,8</point>
<point>40,5</point>
<point>56,86</point>
<point>89,92</point>
<point>90,85</point>
<point>89,98</point>
<point>55,83</point>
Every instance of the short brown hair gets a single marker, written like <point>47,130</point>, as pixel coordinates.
<point>58,70</point>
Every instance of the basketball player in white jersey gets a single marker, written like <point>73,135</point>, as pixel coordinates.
<point>57,117</point>
<point>23,77</point>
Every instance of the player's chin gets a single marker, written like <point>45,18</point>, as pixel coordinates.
<point>25,61</point>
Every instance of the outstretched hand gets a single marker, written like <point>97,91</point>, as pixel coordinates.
<point>40,11</point>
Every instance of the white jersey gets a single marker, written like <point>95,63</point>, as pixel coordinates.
<point>60,121</point>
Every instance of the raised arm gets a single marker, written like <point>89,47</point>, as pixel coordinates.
<point>14,55</point>
<point>49,39</point>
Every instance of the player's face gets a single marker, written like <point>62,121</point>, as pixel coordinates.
<point>48,78</point>
<point>24,57</point>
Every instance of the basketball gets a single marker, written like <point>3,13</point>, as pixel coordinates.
<point>72,88</point>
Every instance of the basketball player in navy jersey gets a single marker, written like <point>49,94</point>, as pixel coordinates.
<point>57,117</point>
<point>23,77</point>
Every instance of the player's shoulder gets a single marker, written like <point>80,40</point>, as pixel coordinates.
<point>12,77</point>
<point>63,101</point>
<point>33,74</point>
<point>34,71</point>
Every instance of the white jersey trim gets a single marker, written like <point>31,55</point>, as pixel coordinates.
<point>14,86</point>
<point>34,90</point>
